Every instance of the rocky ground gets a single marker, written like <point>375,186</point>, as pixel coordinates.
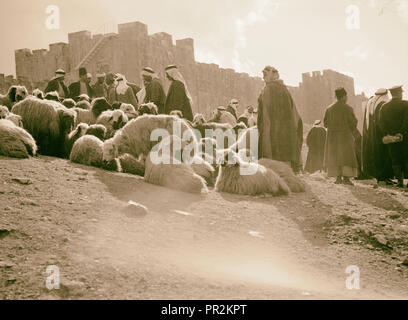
<point>214,246</point>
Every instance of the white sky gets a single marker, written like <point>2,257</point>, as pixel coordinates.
<point>295,36</point>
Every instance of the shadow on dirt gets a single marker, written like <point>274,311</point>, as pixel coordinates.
<point>133,188</point>
<point>305,209</point>
<point>378,198</point>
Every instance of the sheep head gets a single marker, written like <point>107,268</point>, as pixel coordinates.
<point>99,105</point>
<point>67,120</point>
<point>38,94</point>
<point>53,96</point>
<point>4,112</point>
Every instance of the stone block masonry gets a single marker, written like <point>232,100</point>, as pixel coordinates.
<point>132,48</point>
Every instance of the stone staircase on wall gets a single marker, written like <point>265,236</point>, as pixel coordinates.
<point>94,51</point>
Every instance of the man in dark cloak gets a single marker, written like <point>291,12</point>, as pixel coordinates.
<point>394,122</point>
<point>370,139</point>
<point>382,158</point>
<point>278,121</point>
<point>81,87</point>
<point>99,88</point>
<point>341,123</point>
<point>153,90</point>
<point>178,96</point>
<point>57,84</point>
<point>315,140</point>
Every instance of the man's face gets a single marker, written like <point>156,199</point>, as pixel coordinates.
<point>268,75</point>
<point>101,80</point>
<point>88,80</point>
<point>147,79</point>
<point>109,80</point>
<point>61,79</point>
<point>84,78</point>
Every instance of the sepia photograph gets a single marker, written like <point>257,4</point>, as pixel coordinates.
<point>203,154</point>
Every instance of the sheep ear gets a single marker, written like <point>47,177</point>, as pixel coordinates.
<point>12,94</point>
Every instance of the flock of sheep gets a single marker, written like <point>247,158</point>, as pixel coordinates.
<point>119,138</point>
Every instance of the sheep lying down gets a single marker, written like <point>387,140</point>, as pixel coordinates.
<point>15,142</point>
<point>285,172</point>
<point>87,150</point>
<point>174,176</point>
<point>249,178</point>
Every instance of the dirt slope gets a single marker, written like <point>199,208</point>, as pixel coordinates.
<point>214,246</point>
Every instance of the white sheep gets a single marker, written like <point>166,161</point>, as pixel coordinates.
<point>135,137</point>
<point>98,106</point>
<point>285,172</point>
<point>14,95</point>
<point>129,110</point>
<point>6,114</point>
<point>178,176</point>
<point>15,142</point>
<point>248,178</point>
<point>112,120</point>
<point>87,150</point>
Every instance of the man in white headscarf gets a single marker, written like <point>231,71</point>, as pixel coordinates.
<point>178,96</point>
<point>152,90</point>
<point>122,92</point>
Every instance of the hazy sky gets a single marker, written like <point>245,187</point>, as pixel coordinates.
<point>295,36</point>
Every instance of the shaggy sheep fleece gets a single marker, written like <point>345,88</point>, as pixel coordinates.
<point>176,146</point>
<point>285,172</point>
<point>130,164</point>
<point>262,181</point>
<point>112,120</point>
<point>47,121</point>
<point>97,130</point>
<point>134,137</point>
<point>15,142</point>
<point>87,150</point>
<point>174,176</point>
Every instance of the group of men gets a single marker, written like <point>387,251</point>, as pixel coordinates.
<point>385,136</point>
<point>381,152</point>
<point>338,147</point>
<point>115,88</point>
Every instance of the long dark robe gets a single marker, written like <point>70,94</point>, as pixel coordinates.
<point>155,94</point>
<point>382,160</point>
<point>177,100</point>
<point>394,120</point>
<point>340,122</point>
<point>315,140</point>
<point>278,124</point>
<point>358,148</point>
<point>367,156</point>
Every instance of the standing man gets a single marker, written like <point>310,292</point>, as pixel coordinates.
<point>110,87</point>
<point>233,108</point>
<point>152,90</point>
<point>376,161</point>
<point>81,87</point>
<point>278,121</point>
<point>99,88</point>
<point>57,84</point>
<point>340,155</point>
<point>178,96</point>
<point>394,122</point>
<point>315,140</point>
